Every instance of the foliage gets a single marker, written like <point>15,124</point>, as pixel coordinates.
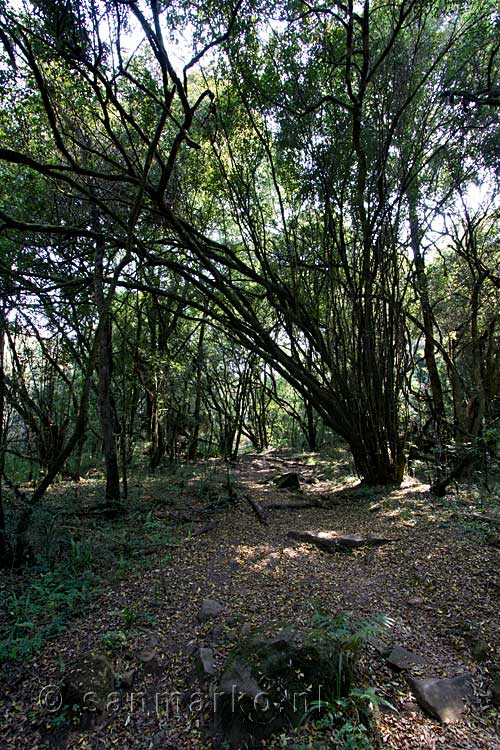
<point>346,718</point>
<point>43,610</point>
<point>113,640</point>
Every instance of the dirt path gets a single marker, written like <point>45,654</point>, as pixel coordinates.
<point>437,585</point>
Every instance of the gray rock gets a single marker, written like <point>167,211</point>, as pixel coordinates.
<point>442,698</point>
<point>210,608</point>
<point>158,741</point>
<point>268,682</point>
<point>217,633</point>
<point>399,658</point>
<point>206,662</point>
<point>246,629</point>
<point>89,683</point>
<point>380,646</point>
<point>415,601</point>
<point>238,680</point>
<point>150,661</point>
<point>190,648</point>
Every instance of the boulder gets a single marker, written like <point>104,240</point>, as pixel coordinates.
<point>289,481</point>
<point>380,646</point>
<point>209,609</point>
<point>206,662</point>
<point>399,658</point>
<point>332,542</point>
<point>246,629</point>
<point>150,661</point>
<point>442,698</point>
<point>89,684</point>
<point>269,682</point>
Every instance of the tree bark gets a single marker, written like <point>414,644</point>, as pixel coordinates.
<point>193,445</point>
<point>107,410</point>
<point>5,549</point>
<point>422,288</point>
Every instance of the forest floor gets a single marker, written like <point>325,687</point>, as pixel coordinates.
<point>192,535</point>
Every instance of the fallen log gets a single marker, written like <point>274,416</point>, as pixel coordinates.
<point>257,509</point>
<point>329,541</point>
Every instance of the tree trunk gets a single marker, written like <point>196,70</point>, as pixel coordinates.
<point>427,315</point>
<point>107,410</point>
<point>311,432</point>
<point>379,468</point>
<point>5,549</point>
<point>193,445</point>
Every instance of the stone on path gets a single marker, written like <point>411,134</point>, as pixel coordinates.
<point>206,661</point>
<point>210,608</point>
<point>246,629</point>
<point>399,658</point>
<point>380,646</point>
<point>88,683</point>
<point>150,661</point>
<point>415,601</point>
<point>442,698</point>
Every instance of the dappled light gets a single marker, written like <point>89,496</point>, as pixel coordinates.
<point>249,375</point>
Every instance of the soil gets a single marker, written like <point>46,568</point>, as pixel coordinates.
<point>437,587</point>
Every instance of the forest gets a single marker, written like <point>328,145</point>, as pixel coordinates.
<point>249,374</point>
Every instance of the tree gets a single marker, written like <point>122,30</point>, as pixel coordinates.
<point>293,137</point>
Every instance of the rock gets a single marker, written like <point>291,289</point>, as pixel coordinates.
<point>206,662</point>
<point>442,698</point>
<point>415,601</point>
<point>380,647</point>
<point>399,658</point>
<point>190,648</point>
<point>246,629</point>
<point>331,542</point>
<point>150,661</point>
<point>217,633</point>
<point>210,608</point>
<point>480,650</point>
<point>495,689</point>
<point>238,680</point>
<point>126,679</point>
<point>89,683</point>
<point>289,481</point>
<point>269,682</point>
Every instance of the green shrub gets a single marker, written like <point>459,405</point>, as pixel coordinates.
<point>43,610</point>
